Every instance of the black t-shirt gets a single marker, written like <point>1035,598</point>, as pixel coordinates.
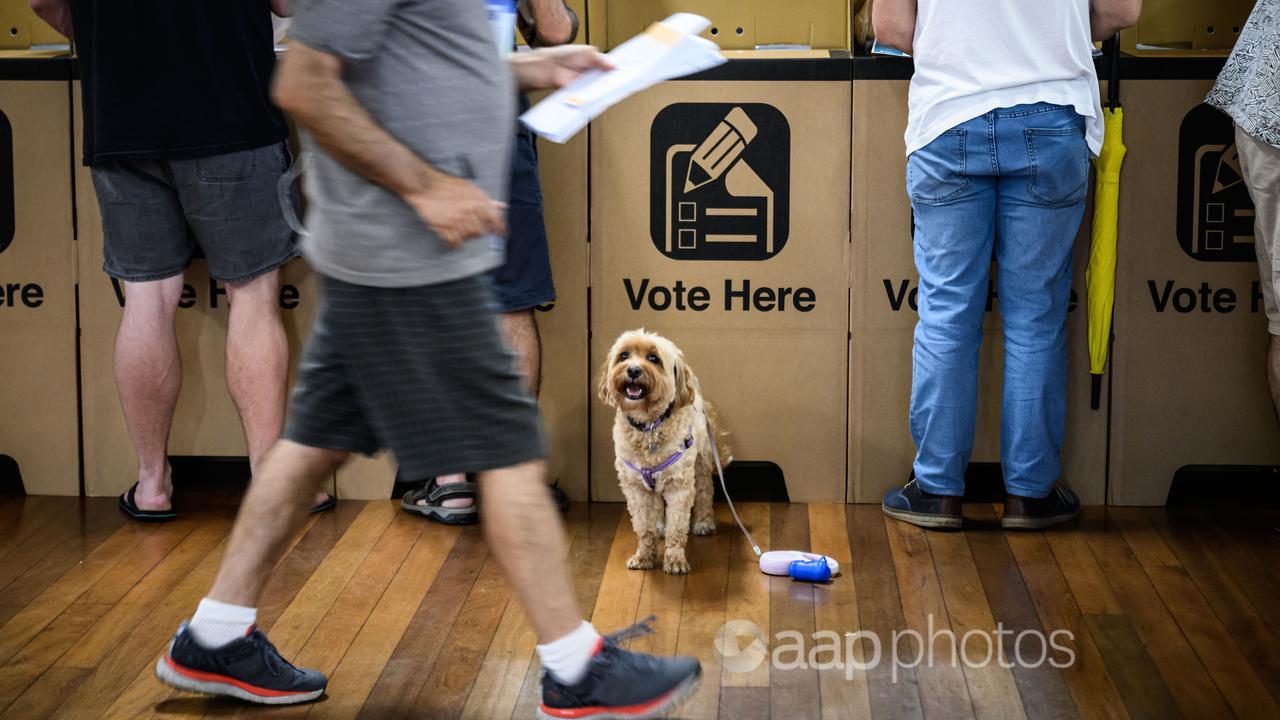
<point>175,78</point>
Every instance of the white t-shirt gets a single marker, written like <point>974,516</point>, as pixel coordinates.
<point>973,56</point>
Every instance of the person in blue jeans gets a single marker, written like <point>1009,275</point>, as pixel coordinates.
<point>1004,116</point>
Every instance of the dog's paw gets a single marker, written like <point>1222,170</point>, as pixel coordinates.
<point>675,563</point>
<point>640,562</point>
<point>706,527</point>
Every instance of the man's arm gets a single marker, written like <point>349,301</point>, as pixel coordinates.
<point>551,68</point>
<point>57,13</point>
<point>1108,17</point>
<point>281,8</point>
<point>895,23</point>
<point>308,84</point>
<point>552,23</point>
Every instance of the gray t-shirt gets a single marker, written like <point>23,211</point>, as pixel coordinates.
<point>430,74</point>
<point>1249,87</point>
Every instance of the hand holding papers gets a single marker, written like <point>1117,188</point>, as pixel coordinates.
<point>667,50</point>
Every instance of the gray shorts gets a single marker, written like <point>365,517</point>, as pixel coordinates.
<point>422,371</point>
<point>157,214</point>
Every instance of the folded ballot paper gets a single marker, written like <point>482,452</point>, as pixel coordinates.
<point>667,50</point>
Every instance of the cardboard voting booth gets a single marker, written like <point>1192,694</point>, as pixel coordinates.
<point>884,283</point>
<point>20,28</point>
<point>206,422</point>
<point>1189,385</point>
<point>37,287</point>
<point>562,327</point>
<point>735,24</point>
<point>720,220</point>
<point>1193,25</point>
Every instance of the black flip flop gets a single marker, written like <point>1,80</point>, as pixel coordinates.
<point>130,508</point>
<point>435,495</point>
<point>330,502</point>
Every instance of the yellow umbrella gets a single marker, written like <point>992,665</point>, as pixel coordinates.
<point>1100,278</point>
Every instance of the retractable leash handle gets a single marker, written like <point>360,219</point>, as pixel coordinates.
<point>774,562</point>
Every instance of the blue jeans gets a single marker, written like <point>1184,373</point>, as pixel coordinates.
<point>1010,186</point>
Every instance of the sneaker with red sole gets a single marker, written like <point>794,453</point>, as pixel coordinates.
<point>620,684</point>
<point>249,669</point>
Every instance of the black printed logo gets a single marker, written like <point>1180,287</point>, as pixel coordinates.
<point>6,183</point>
<point>720,181</point>
<point>1215,212</point>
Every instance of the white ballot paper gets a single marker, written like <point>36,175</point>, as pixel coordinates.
<point>667,50</point>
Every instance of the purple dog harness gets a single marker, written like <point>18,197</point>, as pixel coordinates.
<point>647,474</point>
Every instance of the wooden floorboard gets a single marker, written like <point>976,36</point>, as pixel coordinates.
<point>1170,614</point>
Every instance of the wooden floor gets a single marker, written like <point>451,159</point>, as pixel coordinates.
<point>1172,614</point>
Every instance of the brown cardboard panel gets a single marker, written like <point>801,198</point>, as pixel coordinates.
<point>206,422</point>
<point>1189,383</point>
<point>1189,24</point>
<point>736,24</point>
<point>562,326</point>
<point>37,291</point>
<point>883,279</point>
<point>21,28</point>
<point>674,246</point>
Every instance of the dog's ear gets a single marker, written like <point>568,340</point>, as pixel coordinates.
<point>604,388</point>
<point>686,391</point>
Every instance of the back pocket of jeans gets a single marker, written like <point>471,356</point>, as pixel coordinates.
<point>1059,165</point>
<point>232,167</point>
<point>936,172</point>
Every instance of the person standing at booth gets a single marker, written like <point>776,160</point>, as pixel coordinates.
<point>408,110</point>
<point>524,281</point>
<point>1004,115</point>
<point>1249,91</point>
<point>185,150</point>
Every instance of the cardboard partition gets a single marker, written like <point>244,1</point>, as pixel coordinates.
<point>37,285</point>
<point>21,28</point>
<point>720,220</point>
<point>562,326</point>
<point>1188,25</point>
<point>206,422</point>
<point>884,282</point>
<point>1189,384</point>
<point>735,24</point>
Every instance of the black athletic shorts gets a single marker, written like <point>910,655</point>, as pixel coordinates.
<point>422,371</point>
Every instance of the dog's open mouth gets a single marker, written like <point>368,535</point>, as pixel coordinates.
<point>635,391</point>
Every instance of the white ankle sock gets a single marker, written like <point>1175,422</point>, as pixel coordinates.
<point>568,657</point>
<point>215,623</point>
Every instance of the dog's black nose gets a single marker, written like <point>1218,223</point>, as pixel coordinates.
<point>634,371</point>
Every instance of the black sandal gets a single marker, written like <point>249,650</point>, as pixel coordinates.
<point>328,503</point>
<point>435,495</point>
<point>130,508</point>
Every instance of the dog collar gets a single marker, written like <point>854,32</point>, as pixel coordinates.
<point>655,424</point>
<point>647,474</point>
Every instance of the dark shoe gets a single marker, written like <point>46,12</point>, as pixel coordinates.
<point>435,495</point>
<point>559,497</point>
<point>330,502</point>
<point>1024,513</point>
<point>129,507</point>
<point>912,505</point>
<point>249,669</point>
<point>622,684</point>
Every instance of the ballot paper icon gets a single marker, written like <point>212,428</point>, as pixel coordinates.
<point>720,181</point>
<point>1215,211</point>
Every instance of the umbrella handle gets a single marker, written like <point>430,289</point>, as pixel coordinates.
<point>1112,49</point>
<point>1095,395</point>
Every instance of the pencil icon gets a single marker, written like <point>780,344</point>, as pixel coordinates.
<point>718,152</point>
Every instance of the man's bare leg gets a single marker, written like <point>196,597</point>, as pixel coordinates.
<point>520,330</point>
<point>1273,372</point>
<point>524,533</point>
<point>273,510</point>
<point>257,361</point>
<point>149,377</point>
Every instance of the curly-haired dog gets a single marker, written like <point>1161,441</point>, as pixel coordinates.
<point>662,452</point>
